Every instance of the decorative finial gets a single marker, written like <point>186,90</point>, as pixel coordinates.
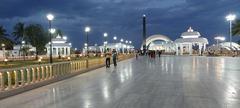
<point>58,36</point>
<point>190,29</point>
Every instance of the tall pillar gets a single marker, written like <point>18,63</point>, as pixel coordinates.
<point>177,49</point>
<point>200,48</point>
<point>144,34</point>
<point>56,51</point>
<point>69,51</point>
<point>181,49</point>
<point>64,51</point>
<point>190,49</point>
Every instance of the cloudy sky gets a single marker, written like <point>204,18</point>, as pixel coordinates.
<point>122,17</point>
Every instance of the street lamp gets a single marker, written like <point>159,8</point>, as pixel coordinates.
<point>130,42</point>
<point>115,38</point>
<point>3,48</point>
<point>105,35</point>
<point>121,40</point>
<point>230,18</point>
<point>50,18</point>
<point>87,30</point>
<point>219,38</point>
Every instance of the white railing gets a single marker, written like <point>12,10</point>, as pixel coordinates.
<point>19,77</point>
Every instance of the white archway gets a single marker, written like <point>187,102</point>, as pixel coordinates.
<point>158,37</point>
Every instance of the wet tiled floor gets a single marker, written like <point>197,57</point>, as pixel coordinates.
<point>166,82</point>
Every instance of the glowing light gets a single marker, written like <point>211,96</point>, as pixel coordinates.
<point>50,17</point>
<point>105,34</point>
<point>52,30</point>
<point>87,29</point>
<point>231,17</point>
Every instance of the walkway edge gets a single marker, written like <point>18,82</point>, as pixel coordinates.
<point>13,92</point>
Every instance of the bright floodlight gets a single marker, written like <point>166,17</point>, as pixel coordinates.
<point>3,45</point>
<point>231,17</point>
<point>121,40</point>
<point>144,15</point>
<point>23,42</point>
<point>50,17</point>
<point>87,29</point>
<point>115,38</point>
<point>52,30</point>
<point>126,41</point>
<point>85,44</point>
<point>130,42</point>
<point>105,34</point>
<point>220,38</point>
<point>65,38</point>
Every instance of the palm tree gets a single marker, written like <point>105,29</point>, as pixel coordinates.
<point>236,28</point>
<point>4,40</point>
<point>19,31</point>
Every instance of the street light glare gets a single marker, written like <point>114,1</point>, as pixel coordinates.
<point>115,38</point>
<point>231,17</point>
<point>50,17</point>
<point>105,34</point>
<point>121,40</point>
<point>52,30</point>
<point>87,29</point>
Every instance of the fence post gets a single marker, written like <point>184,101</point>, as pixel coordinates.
<point>9,80</point>
<point>22,78</point>
<point>43,73</point>
<point>1,82</point>
<point>28,76</point>
<point>33,75</point>
<point>16,78</point>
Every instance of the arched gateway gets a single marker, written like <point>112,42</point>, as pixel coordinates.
<point>159,42</point>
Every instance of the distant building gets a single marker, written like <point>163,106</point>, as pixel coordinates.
<point>190,41</point>
<point>119,47</point>
<point>17,50</point>
<point>60,46</point>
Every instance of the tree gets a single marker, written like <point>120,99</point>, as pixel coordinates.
<point>236,28</point>
<point>4,40</point>
<point>58,32</point>
<point>37,37</point>
<point>19,31</point>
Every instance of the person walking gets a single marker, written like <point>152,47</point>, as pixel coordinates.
<point>114,57</point>
<point>108,55</point>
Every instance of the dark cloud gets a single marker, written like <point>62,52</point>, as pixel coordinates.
<point>122,17</point>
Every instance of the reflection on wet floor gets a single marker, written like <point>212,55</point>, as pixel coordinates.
<point>166,82</point>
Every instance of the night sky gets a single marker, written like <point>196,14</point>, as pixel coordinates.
<point>123,17</point>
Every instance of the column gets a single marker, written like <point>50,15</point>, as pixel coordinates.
<point>181,49</point>
<point>200,48</point>
<point>64,51</point>
<point>56,54</point>
<point>69,52</point>
<point>177,49</point>
<point>204,47</point>
<point>190,49</point>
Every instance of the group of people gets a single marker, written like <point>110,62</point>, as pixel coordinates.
<point>108,56</point>
<point>152,54</point>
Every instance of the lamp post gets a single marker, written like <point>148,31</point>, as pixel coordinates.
<point>50,18</point>
<point>230,18</point>
<point>87,30</point>
<point>3,48</point>
<point>121,40</point>
<point>105,35</point>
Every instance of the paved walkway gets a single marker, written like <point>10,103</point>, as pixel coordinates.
<point>167,82</point>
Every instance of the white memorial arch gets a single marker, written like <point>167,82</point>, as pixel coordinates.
<point>159,42</point>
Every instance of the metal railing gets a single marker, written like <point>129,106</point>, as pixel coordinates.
<point>20,77</point>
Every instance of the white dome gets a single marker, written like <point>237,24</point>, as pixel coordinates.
<point>190,33</point>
